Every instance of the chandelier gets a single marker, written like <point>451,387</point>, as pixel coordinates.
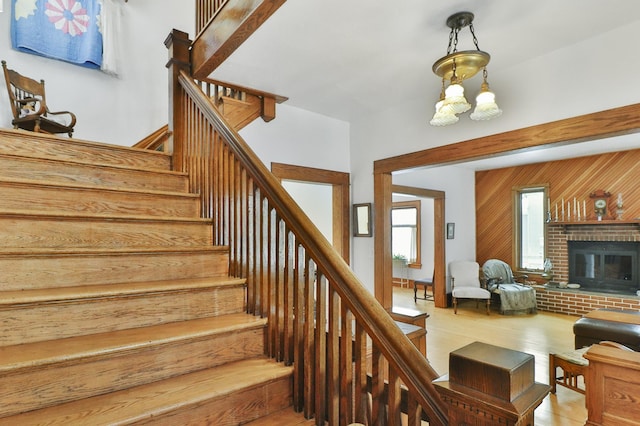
<point>457,66</point>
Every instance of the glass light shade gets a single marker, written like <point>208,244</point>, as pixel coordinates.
<point>486,107</point>
<point>444,116</point>
<point>454,98</point>
<point>443,119</point>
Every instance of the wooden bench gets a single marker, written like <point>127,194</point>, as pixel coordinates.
<point>573,366</point>
<point>425,283</point>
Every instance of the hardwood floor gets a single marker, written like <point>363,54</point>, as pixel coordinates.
<point>537,334</point>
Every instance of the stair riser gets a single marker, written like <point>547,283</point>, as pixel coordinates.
<point>86,378</point>
<point>41,146</point>
<point>30,232</point>
<point>87,174</point>
<point>24,324</point>
<point>31,272</point>
<point>229,410</point>
<point>22,197</point>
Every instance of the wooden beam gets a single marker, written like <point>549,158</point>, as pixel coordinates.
<point>613,122</point>
<point>229,28</point>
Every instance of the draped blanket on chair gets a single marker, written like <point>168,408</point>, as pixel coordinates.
<point>67,30</point>
<point>515,298</point>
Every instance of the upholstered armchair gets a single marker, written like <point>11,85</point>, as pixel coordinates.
<point>465,283</point>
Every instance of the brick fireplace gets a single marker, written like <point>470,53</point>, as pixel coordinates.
<point>576,302</point>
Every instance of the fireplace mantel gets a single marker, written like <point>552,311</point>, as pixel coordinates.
<point>595,222</point>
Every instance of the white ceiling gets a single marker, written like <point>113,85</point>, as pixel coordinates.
<point>335,57</point>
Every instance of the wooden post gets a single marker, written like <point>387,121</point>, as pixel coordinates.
<point>178,44</point>
<point>489,385</point>
<point>382,239</point>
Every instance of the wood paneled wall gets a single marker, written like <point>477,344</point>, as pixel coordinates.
<point>614,172</point>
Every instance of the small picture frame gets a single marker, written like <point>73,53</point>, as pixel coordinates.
<point>362,220</point>
<point>451,231</point>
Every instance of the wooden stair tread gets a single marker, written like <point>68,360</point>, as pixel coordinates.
<point>154,399</point>
<point>58,215</point>
<point>59,294</point>
<point>45,354</point>
<point>86,187</point>
<point>40,145</point>
<point>108,251</point>
<point>88,216</point>
<point>283,417</point>
<point>114,167</point>
<point>23,134</point>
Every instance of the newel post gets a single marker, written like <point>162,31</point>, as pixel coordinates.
<point>178,44</point>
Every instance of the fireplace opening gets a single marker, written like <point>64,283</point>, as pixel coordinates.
<point>604,266</point>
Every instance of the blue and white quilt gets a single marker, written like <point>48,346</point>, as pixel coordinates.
<point>68,30</point>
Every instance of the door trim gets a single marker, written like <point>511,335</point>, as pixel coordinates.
<point>339,182</point>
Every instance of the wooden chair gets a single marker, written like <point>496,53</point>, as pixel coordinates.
<point>29,106</point>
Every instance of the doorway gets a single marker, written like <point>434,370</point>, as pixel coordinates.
<point>437,252</point>
<point>332,191</point>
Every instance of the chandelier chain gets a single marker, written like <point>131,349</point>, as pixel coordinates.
<point>455,39</point>
<point>473,33</point>
<point>450,41</point>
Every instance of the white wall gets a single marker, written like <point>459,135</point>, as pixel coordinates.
<point>316,200</point>
<point>300,137</point>
<point>119,110</point>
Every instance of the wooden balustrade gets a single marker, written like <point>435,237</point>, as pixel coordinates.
<point>311,297</point>
<point>205,11</point>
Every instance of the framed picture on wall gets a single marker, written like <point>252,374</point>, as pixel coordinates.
<point>362,220</point>
<point>451,231</point>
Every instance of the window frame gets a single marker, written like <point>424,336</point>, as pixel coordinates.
<point>517,224</point>
<point>396,205</point>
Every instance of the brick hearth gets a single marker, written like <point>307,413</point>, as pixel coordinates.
<point>576,302</point>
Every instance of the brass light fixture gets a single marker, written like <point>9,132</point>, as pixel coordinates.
<point>457,66</point>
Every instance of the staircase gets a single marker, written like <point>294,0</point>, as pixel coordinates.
<point>115,307</point>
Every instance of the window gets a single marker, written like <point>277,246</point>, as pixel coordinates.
<point>529,228</point>
<point>405,231</point>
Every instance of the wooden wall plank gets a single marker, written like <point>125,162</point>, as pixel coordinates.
<point>578,177</point>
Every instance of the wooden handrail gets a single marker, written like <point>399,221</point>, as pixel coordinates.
<point>233,90</point>
<point>155,140</point>
<point>298,280</point>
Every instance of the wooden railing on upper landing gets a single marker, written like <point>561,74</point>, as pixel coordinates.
<point>295,277</point>
<point>205,11</point>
